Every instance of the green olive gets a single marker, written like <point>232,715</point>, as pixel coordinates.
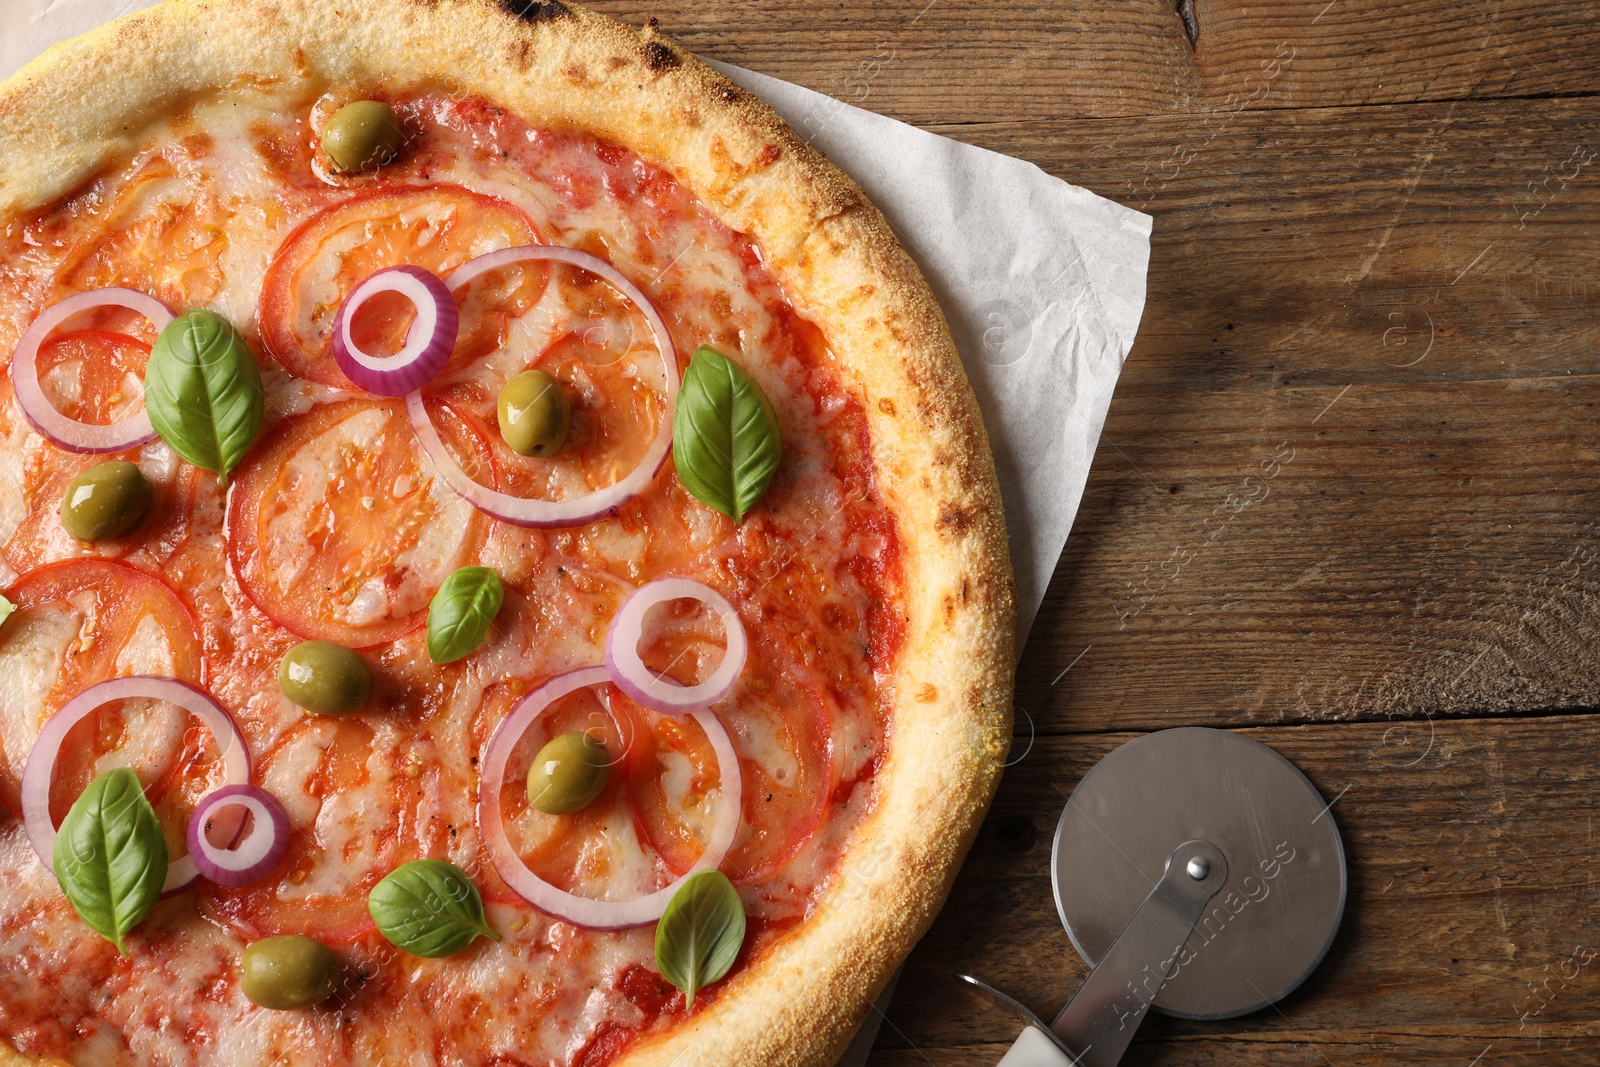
<point>326,678</point>
<point>362,136</point>
<point>106,501</point>
<point>534,414</point>
<point>288,972</point>
<point>568,773</point>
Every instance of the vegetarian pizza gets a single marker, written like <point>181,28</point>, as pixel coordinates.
<point>500,562</point>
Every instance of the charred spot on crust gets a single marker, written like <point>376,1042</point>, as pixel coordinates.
<point>535,10</point>
<point>660,58</point>
<point>731,94</point>
<point>955,520</point>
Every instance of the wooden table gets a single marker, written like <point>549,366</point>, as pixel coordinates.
<point>1345,501</point>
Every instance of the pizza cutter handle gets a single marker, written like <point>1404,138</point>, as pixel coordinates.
<point>1100,1020</point>
<point>1095,1027</point>
<point>1036,1047</point>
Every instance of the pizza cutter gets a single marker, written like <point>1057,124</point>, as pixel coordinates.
<point>1198,873</point>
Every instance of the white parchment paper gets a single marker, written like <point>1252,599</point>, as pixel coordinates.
<point>1043,284</point>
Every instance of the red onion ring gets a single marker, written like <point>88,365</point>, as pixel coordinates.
<point>429,340</point>
<point>586,911</point>
<point>59,430</point>
<point>251,859</point>
<point>41,765</point>
<point>522,511</point>
<point>643,684</point>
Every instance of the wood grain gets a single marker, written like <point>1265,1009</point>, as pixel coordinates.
<point>928,61</point>
<point>1430,243</point>
<point>1312,555</point>
<point>1346,495</point>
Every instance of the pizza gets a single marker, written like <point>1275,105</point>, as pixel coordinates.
<point>501,563</point>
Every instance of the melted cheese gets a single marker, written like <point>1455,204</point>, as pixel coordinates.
<point>30,657</point>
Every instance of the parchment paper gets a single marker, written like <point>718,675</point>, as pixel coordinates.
<point>1043,284</point>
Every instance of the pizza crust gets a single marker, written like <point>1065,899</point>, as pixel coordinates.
<point>555,65</point>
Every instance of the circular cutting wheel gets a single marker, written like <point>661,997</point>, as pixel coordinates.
<point>1268,927</point>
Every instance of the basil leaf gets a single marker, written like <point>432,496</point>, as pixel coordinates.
<point>461,612</point>
<point>699,934</point>
<point>725,438</point>
<point>203,392</point>
<point>111,858</point>
<point>6,608</point>
<point>429,908</point>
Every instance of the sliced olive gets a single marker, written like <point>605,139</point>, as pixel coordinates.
<point>534,414</point>
<point>288,972</point>
<point>106,501</point>
<point>568,773</point>
<point>362,136</point>
<point>326,678</point>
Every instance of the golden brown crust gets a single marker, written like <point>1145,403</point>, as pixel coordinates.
<point>561,66</point>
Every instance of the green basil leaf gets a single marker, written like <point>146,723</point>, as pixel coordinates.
<point>203,392</point>
<point>699,934</point>
<point>725,438</point>
<point>462,611</point>
<point>111,858</point>
<point>429,908</point>
<point>6,608</point>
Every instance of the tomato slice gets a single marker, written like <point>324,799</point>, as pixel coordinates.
<point>438,227</point>
<point>352,799</point>
<point>95,376</point>
<point>568,851</point>
<point>166,234</point>
<point>83,621</point>
<point>338,528</point>
<point>781,728</point>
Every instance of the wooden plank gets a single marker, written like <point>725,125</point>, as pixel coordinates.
<point>1422,243</point>
<point>941,61</point>
<point>1420,553</point>
<point>1376,552</point>
<point>1473,919</point>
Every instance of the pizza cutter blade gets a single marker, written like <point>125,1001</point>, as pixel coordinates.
<point>1198,873</point>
